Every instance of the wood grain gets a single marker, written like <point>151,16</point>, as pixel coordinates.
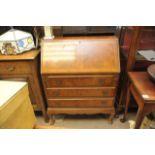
<point>144,85</point>
<point>80,74</point>
<point>74,111</point>
<point>81,80</point>
<point>142,89</point>
<point>80,92</point>
<point>80,55</point>
<point>29,55</point>
<point>81,102</point>
<point>25,67</point>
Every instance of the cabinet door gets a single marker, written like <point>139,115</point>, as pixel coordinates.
<point>101,29</point>
<point>74,30</point>
<point>29,80</point>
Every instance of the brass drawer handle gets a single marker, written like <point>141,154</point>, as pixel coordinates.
<point>104,102</point>
<point>102,82</point>
<point>11,68</point>
<point>105,93</point>
<point>56,93</point>
<point>58,104</point>
<point>58,82</point>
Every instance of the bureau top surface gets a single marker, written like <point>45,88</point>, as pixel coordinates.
<point>80,55</point>
<point>29,55</point>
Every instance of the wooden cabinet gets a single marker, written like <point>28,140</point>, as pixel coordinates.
<point>146,41</point>
<point>25,67</point>
<point>16,112</point>
<point>66,30</point>
<point>133,39</point>
<point>80,74</point>
<point>84,30</point>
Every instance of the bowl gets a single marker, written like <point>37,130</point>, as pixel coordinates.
<point>151,72</point>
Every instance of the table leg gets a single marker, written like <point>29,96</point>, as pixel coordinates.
<point>139,118</point>
<point>126,106</point>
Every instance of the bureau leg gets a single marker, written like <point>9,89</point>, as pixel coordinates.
<point>116,115</point>
<point>46,117</point>
<point>52,119</point>
<point>111,118</point>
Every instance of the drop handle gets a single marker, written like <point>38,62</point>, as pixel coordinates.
<point>56,93</point>
<point>11,68</point>
<point>58,103</point>
<point>102,103</point>
<point>105,92</point>
<point>102,82</point>
<point>58,82</point>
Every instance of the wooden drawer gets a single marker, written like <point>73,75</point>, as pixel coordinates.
<point>81,81</point>
<point>80,92</point>
<point>17,67</point>
<point>91,102</point>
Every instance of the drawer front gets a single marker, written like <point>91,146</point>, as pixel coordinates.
<point>80,92</point>
<point>81,81</point>
<point>107,102</point>
<point>14,67</point>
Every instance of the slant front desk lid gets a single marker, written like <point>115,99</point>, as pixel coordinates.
<point>80,55</point>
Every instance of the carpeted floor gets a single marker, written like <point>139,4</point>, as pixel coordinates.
<point>87,122</point>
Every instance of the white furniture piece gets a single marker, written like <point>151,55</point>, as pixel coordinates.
<point>16,110</point>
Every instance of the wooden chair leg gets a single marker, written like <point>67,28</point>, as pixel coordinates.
<point>46,117</point>
<point>126,105</point>
<point>139,118</point>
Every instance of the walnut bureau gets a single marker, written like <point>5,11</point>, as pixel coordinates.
<point>80,74</point>
<point>25,67</point>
